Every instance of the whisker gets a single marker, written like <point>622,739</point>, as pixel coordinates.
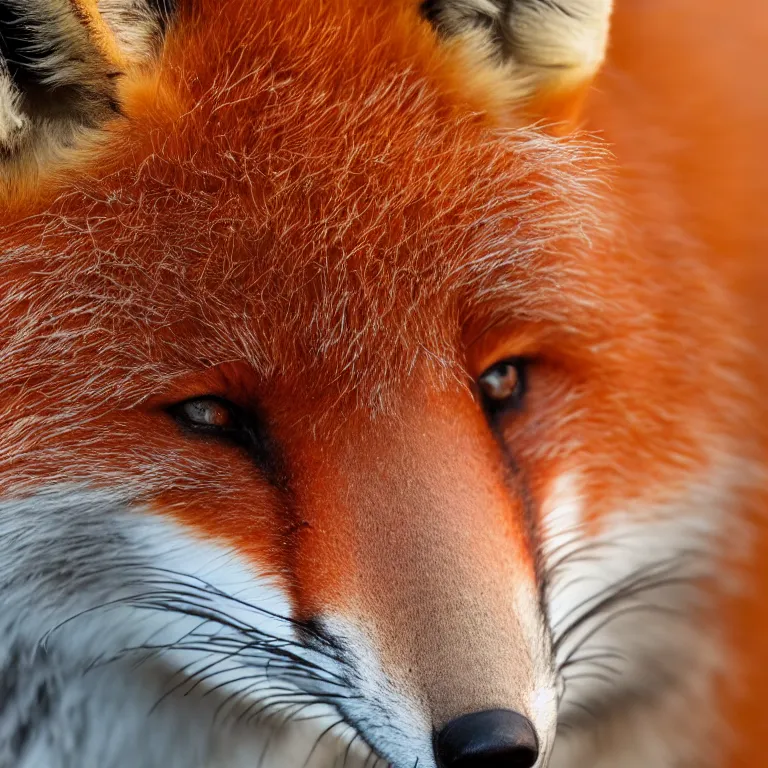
<point>322,735</point>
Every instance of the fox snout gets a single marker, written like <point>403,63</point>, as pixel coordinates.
<point>430,591</point>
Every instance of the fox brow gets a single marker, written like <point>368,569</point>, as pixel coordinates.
<point>359,233</point>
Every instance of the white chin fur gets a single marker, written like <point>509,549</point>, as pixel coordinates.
<point>103,665</point>
<point>636,668</point>
<point>81,578</point>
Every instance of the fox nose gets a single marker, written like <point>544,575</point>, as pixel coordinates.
<point>494,738</point>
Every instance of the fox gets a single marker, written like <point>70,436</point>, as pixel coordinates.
<point>383,383</point>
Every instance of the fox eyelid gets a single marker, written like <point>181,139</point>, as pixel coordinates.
<point>241,427</point>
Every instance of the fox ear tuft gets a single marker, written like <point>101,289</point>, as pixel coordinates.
<point>549,49</point>
<point>60,63</point>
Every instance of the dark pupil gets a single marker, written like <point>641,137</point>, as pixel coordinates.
<point>206,413</point>
<point>502,387</point>
<point>502,381</point>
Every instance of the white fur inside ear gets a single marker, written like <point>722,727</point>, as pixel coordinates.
<point>62,86</point>
<point>541,42</point>
<point>12,120</point>
<point>569,34</point>
<point>136,26</point>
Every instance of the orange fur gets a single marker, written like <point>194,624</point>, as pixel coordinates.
<point>308,208</point>
<point>680,99</point>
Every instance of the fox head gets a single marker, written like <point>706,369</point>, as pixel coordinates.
<point>355,402</point>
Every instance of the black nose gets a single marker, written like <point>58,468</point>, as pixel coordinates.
<point>495,738</point>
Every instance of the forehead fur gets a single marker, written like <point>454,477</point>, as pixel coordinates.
<point>303,189</point>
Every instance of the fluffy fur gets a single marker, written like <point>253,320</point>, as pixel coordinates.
<point>337,215</point>
<point>538,45</point>
<point>60,63</point>
<point>99,648</point>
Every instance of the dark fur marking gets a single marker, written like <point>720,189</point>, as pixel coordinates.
<point>434,12</point>
<point>17,39</point>
<point>24,47</point>
<point>164,10</point>
<point>9,679</point>
<point>453,17</point>
<point>314,634</point>
<point>430,10</point>
<point>12,684</point>
<point>557,6</point>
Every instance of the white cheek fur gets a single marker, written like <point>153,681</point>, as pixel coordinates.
<point>85,571</point>
<point>127,676</point>
<point>622,605</point>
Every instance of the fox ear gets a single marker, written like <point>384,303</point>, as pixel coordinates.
<point>60,63</point>
<point>548,50</point>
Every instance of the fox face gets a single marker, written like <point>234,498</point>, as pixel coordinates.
<point>350,413</point>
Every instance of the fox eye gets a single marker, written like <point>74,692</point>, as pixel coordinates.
<point>218,418</point>
<point>503,385</point>
<point>207,414</point>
